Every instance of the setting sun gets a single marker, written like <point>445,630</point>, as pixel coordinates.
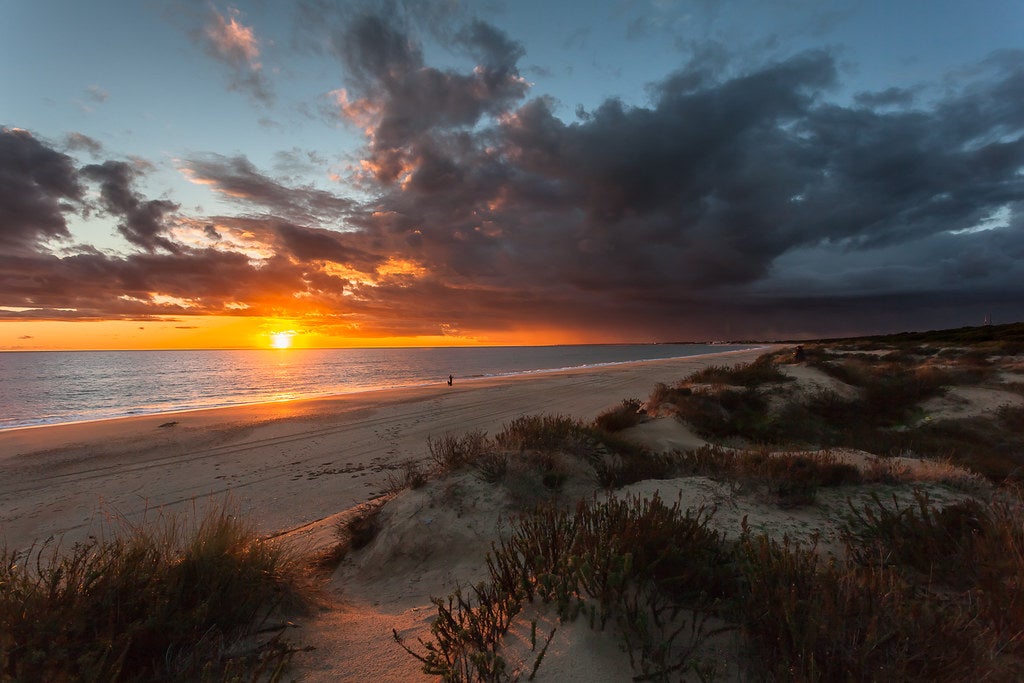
<point>281,340</point>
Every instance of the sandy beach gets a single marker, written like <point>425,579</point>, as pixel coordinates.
<point>285,464</point>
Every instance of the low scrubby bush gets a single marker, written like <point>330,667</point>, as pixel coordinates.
<point>540,432</point>
<point>410,476</point>
<point>591,563</point>
<point>639,565</point>
<point>938,543</point>
<point>624,416</point>
<point>790,479</point>
<point>973,548</point>
<point>451,452</point>
<point>160,602</point>
<point>763,370</point>
<point>662,394</point>
<point>807,619</point>
<point>359,531</point>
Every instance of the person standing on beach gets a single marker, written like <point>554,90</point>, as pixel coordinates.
<point>450,378</point>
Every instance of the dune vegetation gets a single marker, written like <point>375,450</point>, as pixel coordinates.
<point>176,599</point>
<point>850,512</point>
<point>923,589</point>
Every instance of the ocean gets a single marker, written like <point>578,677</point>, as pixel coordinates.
<point>51,387</point>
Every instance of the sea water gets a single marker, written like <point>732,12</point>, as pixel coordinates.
<point>49,387</point>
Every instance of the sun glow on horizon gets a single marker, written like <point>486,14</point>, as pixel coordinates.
<point>282,340</point>
<point>252,332</point>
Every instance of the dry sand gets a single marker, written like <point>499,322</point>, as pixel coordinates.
<point>284,464</point>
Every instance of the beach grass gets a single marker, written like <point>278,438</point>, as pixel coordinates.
<point>763,370</point>
<point>880,412</point>
<point>927,593</point>
<point>591,562</point>
<point>628,414</point>
<point>180,598</point>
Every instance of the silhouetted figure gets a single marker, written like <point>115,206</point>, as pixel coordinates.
<point>450,378</point>
<point>798,354</point>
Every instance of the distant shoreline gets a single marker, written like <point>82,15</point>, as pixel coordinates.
<point>184,407</point>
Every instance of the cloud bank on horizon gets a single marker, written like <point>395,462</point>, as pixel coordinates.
<point>746,197</point>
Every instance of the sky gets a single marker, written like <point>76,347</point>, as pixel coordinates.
<point>318,173</point>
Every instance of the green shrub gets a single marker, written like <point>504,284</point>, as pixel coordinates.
<point>725,413</point>
<point>891,394</point>
<point>534,477</point>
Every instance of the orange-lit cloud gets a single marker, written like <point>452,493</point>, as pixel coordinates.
<point>363,111</point>
<point>402,267</point>
<point>231,42</point>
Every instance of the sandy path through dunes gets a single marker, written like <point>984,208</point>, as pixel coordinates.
<point>285,464</point>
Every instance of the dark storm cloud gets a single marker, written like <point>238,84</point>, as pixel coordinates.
<point>890,97</point>
<point>307,246</point>
<point>38,185</point>
<point>236,177</point>
<point>402,99</point>
<point>631,195</point>
<point>91,285</point>
<point>311,244</point>
<point>711,187</point>
<point>143,221</point>
<point>490,46</point>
